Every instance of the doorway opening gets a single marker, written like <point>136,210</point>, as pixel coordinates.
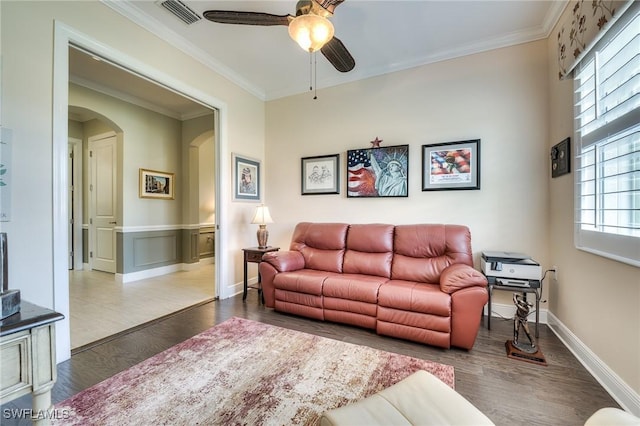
<point>198,223</point>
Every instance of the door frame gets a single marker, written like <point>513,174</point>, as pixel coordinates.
<point>64,36</point>
<point>75,149</point>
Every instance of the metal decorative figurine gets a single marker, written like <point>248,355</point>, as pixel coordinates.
<point>520,322</point>
<point>519,348</point>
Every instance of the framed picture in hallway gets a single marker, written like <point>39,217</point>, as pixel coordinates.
<point>155,184</point>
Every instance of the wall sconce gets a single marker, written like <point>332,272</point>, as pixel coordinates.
<point>261,218</point>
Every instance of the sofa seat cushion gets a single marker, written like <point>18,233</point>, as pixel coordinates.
<point>415,297</point>
<point>414,311</point>
<point>420,399</point>
<point>307,281</point>
<point>363,288</point>
<point>610,416</point>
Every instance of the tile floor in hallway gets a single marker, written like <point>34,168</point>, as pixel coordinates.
<point>101,307</point>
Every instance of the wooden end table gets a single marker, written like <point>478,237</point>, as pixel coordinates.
<point>254,255</point>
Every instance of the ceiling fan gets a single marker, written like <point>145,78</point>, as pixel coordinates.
<point>310,28</point>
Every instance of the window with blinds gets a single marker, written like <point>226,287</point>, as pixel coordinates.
<point>607,125</point>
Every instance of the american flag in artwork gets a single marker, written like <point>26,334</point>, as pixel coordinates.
<point>361,178</point>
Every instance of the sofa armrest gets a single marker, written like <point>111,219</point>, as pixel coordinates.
<point>458,276</point>
<point>284,261</point>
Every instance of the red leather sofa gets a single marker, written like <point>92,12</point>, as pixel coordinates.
<point>415,282</point>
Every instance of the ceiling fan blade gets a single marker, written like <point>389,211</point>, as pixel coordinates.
<point>329,5</point>
<point>246,18</point>
<point>338,55</point>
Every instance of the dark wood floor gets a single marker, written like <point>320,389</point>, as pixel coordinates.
<point>509,392</point>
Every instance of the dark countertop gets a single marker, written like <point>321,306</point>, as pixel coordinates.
<point>30,316</point>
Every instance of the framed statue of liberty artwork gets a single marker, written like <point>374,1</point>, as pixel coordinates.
<point>378,172</point>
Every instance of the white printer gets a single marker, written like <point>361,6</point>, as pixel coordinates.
<point>511,269</point>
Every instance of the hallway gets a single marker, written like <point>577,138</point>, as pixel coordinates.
<point>101,307</point>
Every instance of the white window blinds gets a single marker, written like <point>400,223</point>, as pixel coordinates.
<point>607,124</point>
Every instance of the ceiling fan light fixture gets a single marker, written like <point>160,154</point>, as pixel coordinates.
<point>310,31</point>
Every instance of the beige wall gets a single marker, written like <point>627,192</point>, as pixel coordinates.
<point>149,140</point>
<point>206,187</point>
<point>198,138</point>
<point>597,299</point>
<point>467,98</point>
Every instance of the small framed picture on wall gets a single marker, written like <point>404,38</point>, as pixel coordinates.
<point>246,178</point>
<point>320,175</point>
<point>155,184</point>
<point>451,165</point>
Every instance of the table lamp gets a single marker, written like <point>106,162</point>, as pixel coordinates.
<point>262,217</point>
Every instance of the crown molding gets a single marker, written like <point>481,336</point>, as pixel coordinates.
<point>155,27</point>
<point>519,37</point>
<point>152,25</point>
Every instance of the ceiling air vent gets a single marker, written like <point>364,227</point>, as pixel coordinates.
<point>181,10</point>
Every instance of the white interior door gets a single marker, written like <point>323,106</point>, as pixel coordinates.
<point>103,205</point>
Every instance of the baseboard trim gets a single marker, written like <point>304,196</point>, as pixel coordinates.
<point>613,384</point>
<point>156,272</point>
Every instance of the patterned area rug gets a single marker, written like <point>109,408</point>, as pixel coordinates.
<point>244,372</point>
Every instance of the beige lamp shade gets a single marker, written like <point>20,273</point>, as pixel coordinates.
<point>262,216</point>
<point>311,31</point>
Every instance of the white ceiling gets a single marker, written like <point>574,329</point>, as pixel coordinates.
<point>104,77</point>
<point>382,36</point>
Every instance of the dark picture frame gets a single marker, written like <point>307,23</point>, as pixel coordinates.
<point>378,172</point>
<point>451,166</point>
<point>155,184</point>
<point>561,158</point>
<point>320,175</point>
<point>246,178</point>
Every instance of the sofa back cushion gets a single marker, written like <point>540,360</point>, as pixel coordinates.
<point>422,252</point>
<point>369,250</point>
<point>322,245</point>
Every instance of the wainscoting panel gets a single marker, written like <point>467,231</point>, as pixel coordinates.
<point>154,250</point>
<point>139,251</point>
<point>206,243</point>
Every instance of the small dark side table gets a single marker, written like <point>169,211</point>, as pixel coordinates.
<point>28,358</point>
<point>254,255</point>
